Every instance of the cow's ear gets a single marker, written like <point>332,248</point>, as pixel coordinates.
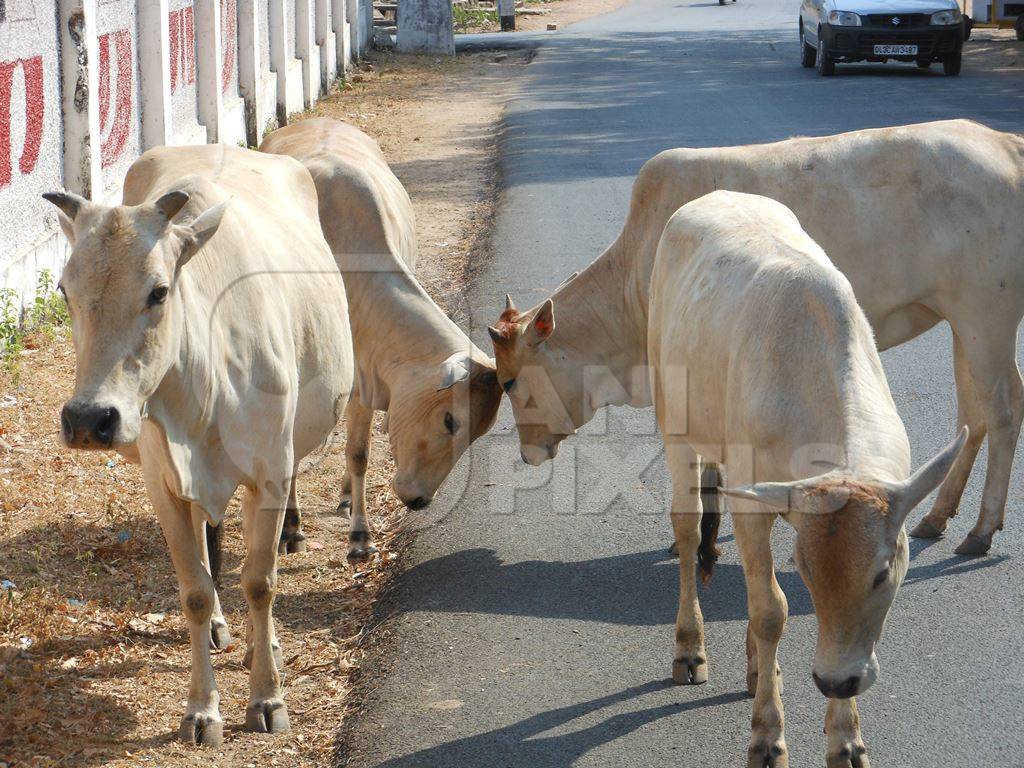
<point>200,230</point>
<point>453,370</point>
<point>542,325</point>
<point>170,204</point>
<point>69,205</point>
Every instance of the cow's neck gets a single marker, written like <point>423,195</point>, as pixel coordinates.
<point>601,329</point>
<point>396,328</point>
<point>874,440</point>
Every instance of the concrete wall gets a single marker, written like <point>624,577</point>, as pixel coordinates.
<point>86,86</point>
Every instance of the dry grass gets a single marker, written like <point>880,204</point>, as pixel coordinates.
<point>94,658</point>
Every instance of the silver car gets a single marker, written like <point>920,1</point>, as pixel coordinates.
<point>918,31</point>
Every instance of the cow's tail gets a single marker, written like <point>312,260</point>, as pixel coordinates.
<point>214,543</point>
<point>711,518</point>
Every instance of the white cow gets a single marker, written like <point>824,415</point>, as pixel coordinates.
<point>922,219</point>
<point>439,390</point>
<point>760,358</point>
<point>212,345</point>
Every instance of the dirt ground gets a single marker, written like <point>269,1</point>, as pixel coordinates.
<point>541,13</point>
<point>94,658</point>
<point>997,50</point>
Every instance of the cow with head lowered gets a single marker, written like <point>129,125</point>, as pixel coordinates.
<point>212,346</point>
<point>921,219</point>
<point>439,391</point>
<point>760,360</point>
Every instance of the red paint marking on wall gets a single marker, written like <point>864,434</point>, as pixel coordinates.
<point>116,133</point>
<point>34,108</point>
<point>183,47</point>
<point>229,35</point>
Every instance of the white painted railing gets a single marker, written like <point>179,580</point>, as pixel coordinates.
<point>88,85</point>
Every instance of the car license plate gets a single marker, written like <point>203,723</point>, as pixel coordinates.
<point>895,50</point>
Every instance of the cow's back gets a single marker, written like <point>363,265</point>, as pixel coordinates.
<point>376,231</point>
<point>903,212</point>
<point>741,298</point>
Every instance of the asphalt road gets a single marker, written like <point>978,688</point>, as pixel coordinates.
<point>532,625</point>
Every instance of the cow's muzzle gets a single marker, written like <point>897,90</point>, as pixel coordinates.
<point>89,426</point>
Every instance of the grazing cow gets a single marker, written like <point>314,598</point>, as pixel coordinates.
<point>212,345</point>
<point>921,219</point>
<point>440,392</point>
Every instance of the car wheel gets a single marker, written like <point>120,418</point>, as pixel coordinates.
<point>1019,26</point>
<point>951,64</point>
<point>825,63</point>
<point>924,63</point>
<point>808,53</point>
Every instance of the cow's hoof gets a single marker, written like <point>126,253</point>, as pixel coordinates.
<point>295,544</point>
<point>752,681</point>
<point>220,636</point>
<point>928,529</point>
<point>345,507</point>
<point>202,730</point>
<point>674,550</point>
<point>691,670</point>
<point>360,547</point>
<point>267,717</point>
<point>973,546</point>
<point>768,754</point>
<point>278,657</point>
<point>852,754</point>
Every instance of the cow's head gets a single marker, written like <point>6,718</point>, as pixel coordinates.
<point>121,287</point>
<point>434,416</point>
<point>851,550</point>
<point>541,383</point>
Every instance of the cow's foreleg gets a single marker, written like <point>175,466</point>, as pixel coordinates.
<point>292,538</point>
<point>263,511</point>
<point>690,660</point>
<point>220,636</point>
<point>358,421</point>
<point>202,723</point>
<point>969,413</point>
<point>842,728</point>
<point>767,607</point>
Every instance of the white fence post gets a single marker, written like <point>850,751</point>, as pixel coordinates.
<point>79,52</point>
<point>342,36</point>
<point>327,41</point>
<point>250,68</point>
<point>305,51</point>
<point>210,54</point>
<point>155,73</point>
<point>279,56</point>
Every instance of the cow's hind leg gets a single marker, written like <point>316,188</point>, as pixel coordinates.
<point>991,358</point>
<point>969,413</point>
<point>766,604</point>
<point>208,539</point>
<point>842,729</point>
<point>263,511</point>
<point>358,421</point>
<point>690,660</point>
<point>292,538</point>
<point>202,723</point>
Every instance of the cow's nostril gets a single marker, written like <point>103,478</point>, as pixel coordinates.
<point>418,503</point>
<point>106,425</point>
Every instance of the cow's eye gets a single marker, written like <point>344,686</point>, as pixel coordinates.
<point>509,385</point>
<point>450,423</point>
<point>880,579</point>
<point>157,296</point>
